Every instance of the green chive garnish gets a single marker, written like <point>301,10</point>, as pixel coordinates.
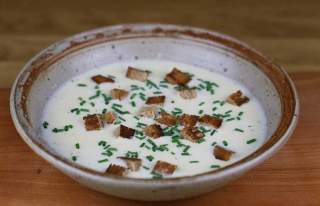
<point>251,141</point>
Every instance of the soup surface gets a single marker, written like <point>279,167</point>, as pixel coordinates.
<point>190,125</point>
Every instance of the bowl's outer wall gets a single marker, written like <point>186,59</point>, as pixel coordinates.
<point>65,59</point>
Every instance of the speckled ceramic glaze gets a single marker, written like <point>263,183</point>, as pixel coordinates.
<point>41,76</point>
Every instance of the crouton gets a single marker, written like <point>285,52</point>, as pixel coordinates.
<point>93,122</point>
<point>133,164</point>
<point>221,153</point>
<point>119,94</point>
<point>99,79</point>
<point>153,130</point>
<point>191,133</point>
<point>109,117</point>
<point>156,100</point>
<point>166,119</point>
<point>150,111</point>
<point>188,120</point>
<point>177,77</point>
<point>188,93</point>
<point>237,98</point>
<point>164,167</point>
<point>126,132</point>
<point>137,74</point>
<point>210,121</point>
<point>116,170</point>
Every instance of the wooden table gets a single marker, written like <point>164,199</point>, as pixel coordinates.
<point>291,177</point>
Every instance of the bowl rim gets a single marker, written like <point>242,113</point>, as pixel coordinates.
<point>97,36</point>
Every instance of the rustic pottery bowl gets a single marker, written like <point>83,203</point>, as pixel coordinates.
<point>41,76</point>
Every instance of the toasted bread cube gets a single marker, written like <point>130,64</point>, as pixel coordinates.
<point>133,164</point>
<point>191,133</point>
<point>150,111</point>
<point>164,167</point>
<point>116,170</point>
<point>166,119</point>
<point>237,98</point>
<point>221,153</point>
<point>188,93</point>
<point>153,130</point>
<point>109,117</point>
<point>210,121</point>
<point>119,94</point>
<point>188,120</point>
<point>137,74</point>
<point>156,100</point>
<point>99,79</point>
<point>177,77</point>
<point>126,132</point>
<point>93,122</point>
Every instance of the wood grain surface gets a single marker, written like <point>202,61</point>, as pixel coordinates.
<point>287,30</point>
<point>291,177</point>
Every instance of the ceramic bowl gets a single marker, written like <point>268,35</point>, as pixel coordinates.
<point>41,76</point>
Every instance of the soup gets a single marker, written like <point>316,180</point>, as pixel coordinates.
<point>153,119</point>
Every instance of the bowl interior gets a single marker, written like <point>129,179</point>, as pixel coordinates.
<point>66,59</point>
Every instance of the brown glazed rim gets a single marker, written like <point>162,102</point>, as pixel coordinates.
<point>47,57</point>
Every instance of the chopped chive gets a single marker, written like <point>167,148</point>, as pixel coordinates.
<point>132,154</point>
<point>121,118</point>
<point>45,124</point>
<point>82,102</point>
<point>74,158</point>
<point>133,95</point>
<point>200,111</point>
<point>104,111</point>
<point>185,154</point>
<point>150,158</point>
<point>214,108</point>
<point>213,143</point>
<point>238,130</point>
<point>157,92</point>
<point>201,103</point>
<point>137,118</point>
<point>81,85</point>
<point>163,86</point>
<point>229,111</point>
<point>98,92</point>
<point>142,145</point>
<point>186,148</point>
<point>77,146</point>
<point>102,143</point>
<point>156,175</point>
<point>216,101</point>
<point>119,111</point>
<point>133,104</point>
<point>225,143</point>
<point>240,113</point>
<point>151,84</point>
<point>146,168</point>
<point>194,161</point>
<point>215,166</point>
<point>56,130</point>
<point>213,132</point>
<point>103,160</point>
<point>199,141</point>
<point>83,110</point>
<point>96,87</point>
<point>116,105</point>
<point>238,118</point>
<point>228,120</point>
<point>92,104</point>
<point>251,141</point>
<point>222,103</point>
<point>106,98</point>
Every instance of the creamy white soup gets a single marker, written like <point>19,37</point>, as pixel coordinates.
<point>153,119</point>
